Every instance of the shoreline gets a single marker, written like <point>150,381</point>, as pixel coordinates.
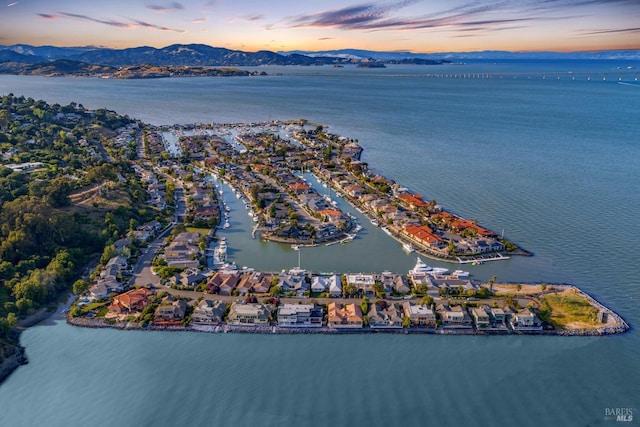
<point>615,324</point>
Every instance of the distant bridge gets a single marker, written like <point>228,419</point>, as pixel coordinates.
<point>622,76</point>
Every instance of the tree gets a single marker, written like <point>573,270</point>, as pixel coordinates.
<point>80,286</point>
<point>426,300</point>
<point>406,322</point>
<point>491,282</point>
<point>364,305</point>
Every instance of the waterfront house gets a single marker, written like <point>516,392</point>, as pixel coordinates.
<point>454,317</point>
<point>425,236</point>
<point>497,316</point>
<point>525,320</point>
<point>394,283</point>
<point>480,317</point>
<point>364,282</point>
<point>223,282</point>
<point>170,310</point>
<point>344,316</point>
<point>384,316</point>
<point>208,312</point>
<point>300,316</point>
<point>419,315</point>
<point>130,302</point>
<point>331,284</point>
<point>242,313</point>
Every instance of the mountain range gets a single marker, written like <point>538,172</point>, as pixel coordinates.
<point>204,55</point>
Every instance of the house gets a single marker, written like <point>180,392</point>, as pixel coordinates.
<point>170,310</point>
<point>454,317</point>
<point>300,316</point>
<point>223,282</point>
<point>394,283</point>
<point>525,320</point>
<point>189,277</point>
<point>481,317</point>
<point>344,316</point>
<point>384,316</point>
<point>419,315</point>
<point>248,314</point>
<point>498,316</point>
<point>331,284</point>
<point>208,312</point>
<point>98,291</point>
<point>364,282</point>
<point>131,301</point>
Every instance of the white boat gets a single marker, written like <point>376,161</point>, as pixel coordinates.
<point>295,247</point>
<point>407,247</point>
<point>374,222</point>
<point>460,274</point>
<point>226,224</point>
<point>422,268</point>
<point>227,208</point>
<point>387,231</point>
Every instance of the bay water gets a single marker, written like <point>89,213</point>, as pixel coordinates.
<point>549,153</point>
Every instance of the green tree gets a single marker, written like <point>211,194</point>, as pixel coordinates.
<point>80,286</point>
<point>364,305</point>
<point>406,322</point>
<point>426,300</point>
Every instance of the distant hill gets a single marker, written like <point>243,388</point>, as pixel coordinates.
<point>488,55</point>
<point>200,55</point>
<point>174,55</point>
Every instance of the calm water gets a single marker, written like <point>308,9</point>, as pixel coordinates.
<point>555,163</point>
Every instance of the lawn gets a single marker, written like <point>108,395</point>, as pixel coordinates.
<point>571,310</point>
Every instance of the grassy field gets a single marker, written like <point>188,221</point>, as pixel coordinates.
<point>571,310</point>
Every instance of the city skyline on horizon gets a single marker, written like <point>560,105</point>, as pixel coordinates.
<point>400,25</point>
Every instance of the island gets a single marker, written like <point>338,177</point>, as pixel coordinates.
<point>126,215</point>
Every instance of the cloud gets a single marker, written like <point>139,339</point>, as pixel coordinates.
<point>13,4</point>
<point>254,17</point>
<point>353,17</point>
<point>157,27</point>
<point>109,22</point>
<point>199,21</point>
<point>611,31</point>
<point>495,15</point>
<point>326,38</point>
<point>130,25</point>
<point>162,8</point>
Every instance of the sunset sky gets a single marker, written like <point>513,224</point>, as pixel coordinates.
<point>413,25</point>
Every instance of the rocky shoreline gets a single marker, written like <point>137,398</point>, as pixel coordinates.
<point>622,327</point>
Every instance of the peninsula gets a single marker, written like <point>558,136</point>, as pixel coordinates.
<point>127,215</point>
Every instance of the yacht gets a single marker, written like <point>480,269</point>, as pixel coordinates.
<point>407,247</point>
<point>460,274</point>
<point>226,224</point>
<point>422,268</point>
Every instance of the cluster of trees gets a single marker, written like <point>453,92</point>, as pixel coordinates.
<point>45,239</point>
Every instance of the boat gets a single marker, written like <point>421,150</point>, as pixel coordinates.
<point>227,208</point>
<point>422,268</point>
<point>374,222</point>
<point>460,274</point>
<point>387,231</point>
<point>295,247</point>
<point>407,247</point>
<point>226,224</point>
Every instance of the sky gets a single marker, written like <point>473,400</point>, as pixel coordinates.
<point>282,25</point>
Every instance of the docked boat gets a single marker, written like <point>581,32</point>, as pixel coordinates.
<point>408,247</point>
<point>460,274</point>
<point>422,268</point>
<point>226,225</point>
